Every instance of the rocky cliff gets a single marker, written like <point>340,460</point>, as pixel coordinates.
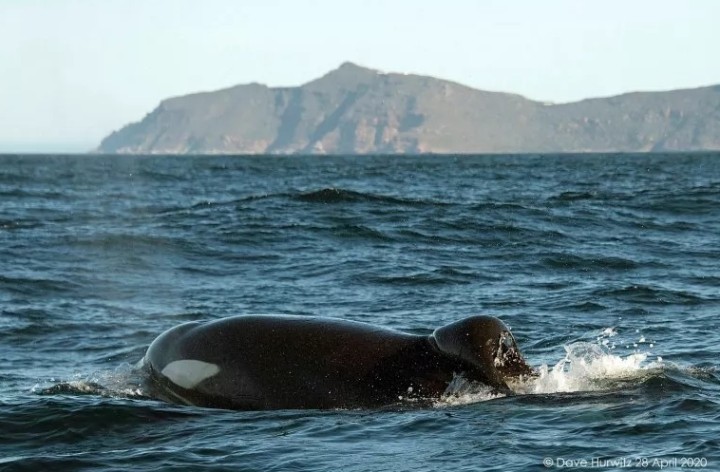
<point>355,110</point>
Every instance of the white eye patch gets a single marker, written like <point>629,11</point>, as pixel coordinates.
<point>187,373</point>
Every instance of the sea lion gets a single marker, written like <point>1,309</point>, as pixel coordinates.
<point>288,362</point>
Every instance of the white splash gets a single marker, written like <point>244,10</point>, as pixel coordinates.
<point>587,367</point>
<point>122,382</point>
<point>463,392</point>
<point>609,332</point>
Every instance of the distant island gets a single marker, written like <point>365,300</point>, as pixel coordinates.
<point>356,110</point>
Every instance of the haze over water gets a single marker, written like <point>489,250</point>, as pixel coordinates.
<point>605,267</point>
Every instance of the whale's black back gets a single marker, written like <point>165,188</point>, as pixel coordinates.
<point>268,362</point>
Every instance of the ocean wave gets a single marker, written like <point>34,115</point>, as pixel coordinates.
<point>440,276</point>
<point>128,243</point>
<point>328,195</point>
<point>647,294</point>
<point>589,262</point>
<point>36,286</point>
<point>358,231</point>
<point>33,194</point>
<point>338,195</point>
<point>74,413</point>
<point>20,224</point>
<point>572,196</point>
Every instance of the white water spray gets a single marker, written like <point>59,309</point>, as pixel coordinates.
<point>586,366</point>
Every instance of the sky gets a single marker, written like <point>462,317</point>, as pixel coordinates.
<point>72,71</point>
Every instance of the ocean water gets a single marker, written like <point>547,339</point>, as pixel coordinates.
<point>606,267</point>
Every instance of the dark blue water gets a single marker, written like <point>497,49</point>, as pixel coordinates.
<point>605,267</point>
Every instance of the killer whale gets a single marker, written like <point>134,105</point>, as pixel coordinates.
<point>254,362</point>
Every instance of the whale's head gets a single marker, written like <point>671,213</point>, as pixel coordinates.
<point>174,372</point>
<point>487,344</point>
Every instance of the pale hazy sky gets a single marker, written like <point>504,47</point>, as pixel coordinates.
<point>71,71</point>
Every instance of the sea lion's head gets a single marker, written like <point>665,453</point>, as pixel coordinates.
<point>487,344</point>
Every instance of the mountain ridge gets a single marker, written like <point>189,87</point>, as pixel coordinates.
<point>358,110</point>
